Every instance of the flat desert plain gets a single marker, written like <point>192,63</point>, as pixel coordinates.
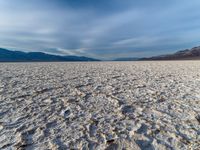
<point>100,105</point>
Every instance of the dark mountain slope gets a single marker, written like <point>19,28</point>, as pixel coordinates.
<point>18,56</point>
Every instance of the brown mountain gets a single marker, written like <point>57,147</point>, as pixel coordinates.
<point>188,54</point>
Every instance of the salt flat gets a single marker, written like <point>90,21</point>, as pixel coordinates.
<point>100,105</point>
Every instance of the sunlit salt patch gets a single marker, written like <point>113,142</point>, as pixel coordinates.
<point>197,95</point>
<point>1,89</point>
<point>97,88</point>
<point>49,100</point>
<point>1,127</point>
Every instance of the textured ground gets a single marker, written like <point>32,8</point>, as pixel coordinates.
<point>105,105</point>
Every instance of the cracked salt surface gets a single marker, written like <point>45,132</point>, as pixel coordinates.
<point>100,105</point>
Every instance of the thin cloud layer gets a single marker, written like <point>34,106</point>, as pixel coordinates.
<point>101,29</point>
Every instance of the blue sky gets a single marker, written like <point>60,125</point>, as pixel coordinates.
<point>104,29</point>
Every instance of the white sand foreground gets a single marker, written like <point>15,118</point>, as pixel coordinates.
<point>100,105</point>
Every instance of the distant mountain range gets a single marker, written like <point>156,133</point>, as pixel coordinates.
<point>188,54</point>
<point>18,56</point>
<point>126,59</point>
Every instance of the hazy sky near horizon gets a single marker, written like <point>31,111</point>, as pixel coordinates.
<point>102,29</point>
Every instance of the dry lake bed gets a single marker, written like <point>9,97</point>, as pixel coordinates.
<point>100,105</point>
